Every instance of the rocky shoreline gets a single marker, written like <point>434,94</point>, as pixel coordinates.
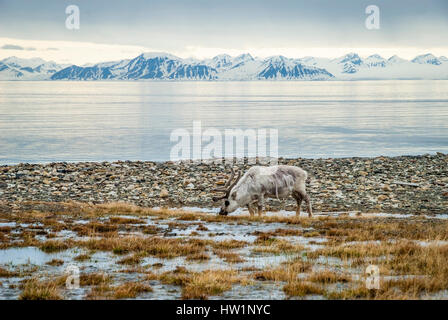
<point>404,184</point>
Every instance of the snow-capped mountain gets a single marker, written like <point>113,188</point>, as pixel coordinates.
<point>375,60</point>
<point>146,66</point>
<point>168,67</point>
<point>395,60</point>
<point>14,68</point>
<point>245,67</point>
<point>427,59</point>
<point>164,66</point>
<point>220,62</point>
<point>280,67</point>
<point>353,67</point>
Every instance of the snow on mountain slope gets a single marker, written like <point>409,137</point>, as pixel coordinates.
<point>220,62</point>
<point>272,68</point>
<point>83,73</point>
<point>10,73</point>
<point>164,66</point>
<point>375,67</point>
<point>145,66</point>
<point>375,61</point>
<point>395,60</point>
<point>427,59</point>
<point>14,68</point>
<point>280,67</point>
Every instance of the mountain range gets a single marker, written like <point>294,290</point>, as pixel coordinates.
<point>164,66</point>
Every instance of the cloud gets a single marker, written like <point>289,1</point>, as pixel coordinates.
<point>70,51</point>
<point>16,47</point>
<point>12,47</point>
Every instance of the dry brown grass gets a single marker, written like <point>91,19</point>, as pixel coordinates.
<point>123,220</point>
<point>7,274</point>
<point>155,246</point>
<point>93,228</point>
<point>130,290</point>
<point>228,256</point>
<point>356,292</point>
<point>370,229</point>
<point>104,291</point>
<point>34,289</point>
<point>178,277</point>
<point>228,244</point>
<point>82,257</point>
<point>134,259</point>
<point>55,262</point>
<point>276,246</point>
<point>50,246</point>
<point>285,272</point>
<point>198,256</point>
<point>200,285</point>
<point>302,288</point>
<point>86,279</point>
<point>211,282</point>
<point>93,279</point>
<point>328,276</point>
<point>393,252</point>
<point>99,292</point>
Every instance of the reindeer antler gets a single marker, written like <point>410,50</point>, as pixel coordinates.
<point>228,186</point>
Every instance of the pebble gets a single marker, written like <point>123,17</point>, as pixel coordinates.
<point>404,184</point>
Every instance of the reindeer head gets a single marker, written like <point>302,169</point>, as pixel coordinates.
<point>229,204</point>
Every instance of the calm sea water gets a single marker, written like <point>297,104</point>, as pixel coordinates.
<point>96,121</point>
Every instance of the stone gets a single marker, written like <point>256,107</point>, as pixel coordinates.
<point>396,184</point>
<point>163,193</point>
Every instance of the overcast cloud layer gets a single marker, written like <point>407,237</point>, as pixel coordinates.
<point>206,27</point>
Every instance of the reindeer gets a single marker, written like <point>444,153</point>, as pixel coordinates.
<point>261,182</point>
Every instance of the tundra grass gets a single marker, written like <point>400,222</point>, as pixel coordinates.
<point>415,270</point>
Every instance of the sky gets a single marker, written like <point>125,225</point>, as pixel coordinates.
<point>112,30</point>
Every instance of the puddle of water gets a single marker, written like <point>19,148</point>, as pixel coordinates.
<point>261,260</point>
<point>257,291</point>
<point>441,295</point>
<point>287,213</point>
<point>203,210</point>
<point>438,216</point>
<point>170,264</point>
<point>7,224</point>
<point>67,234</point>
<point>25,255</point>
<point>106,261</point>
<point>432,243</point>
<point>81,221</point>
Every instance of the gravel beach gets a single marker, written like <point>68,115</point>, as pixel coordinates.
<point>404,184</point>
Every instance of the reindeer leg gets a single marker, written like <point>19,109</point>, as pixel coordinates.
<point>260,210</point>
<point>260,206</point>
<point>306,197</point>
<point>251,210</point>
<point>298,198</point>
